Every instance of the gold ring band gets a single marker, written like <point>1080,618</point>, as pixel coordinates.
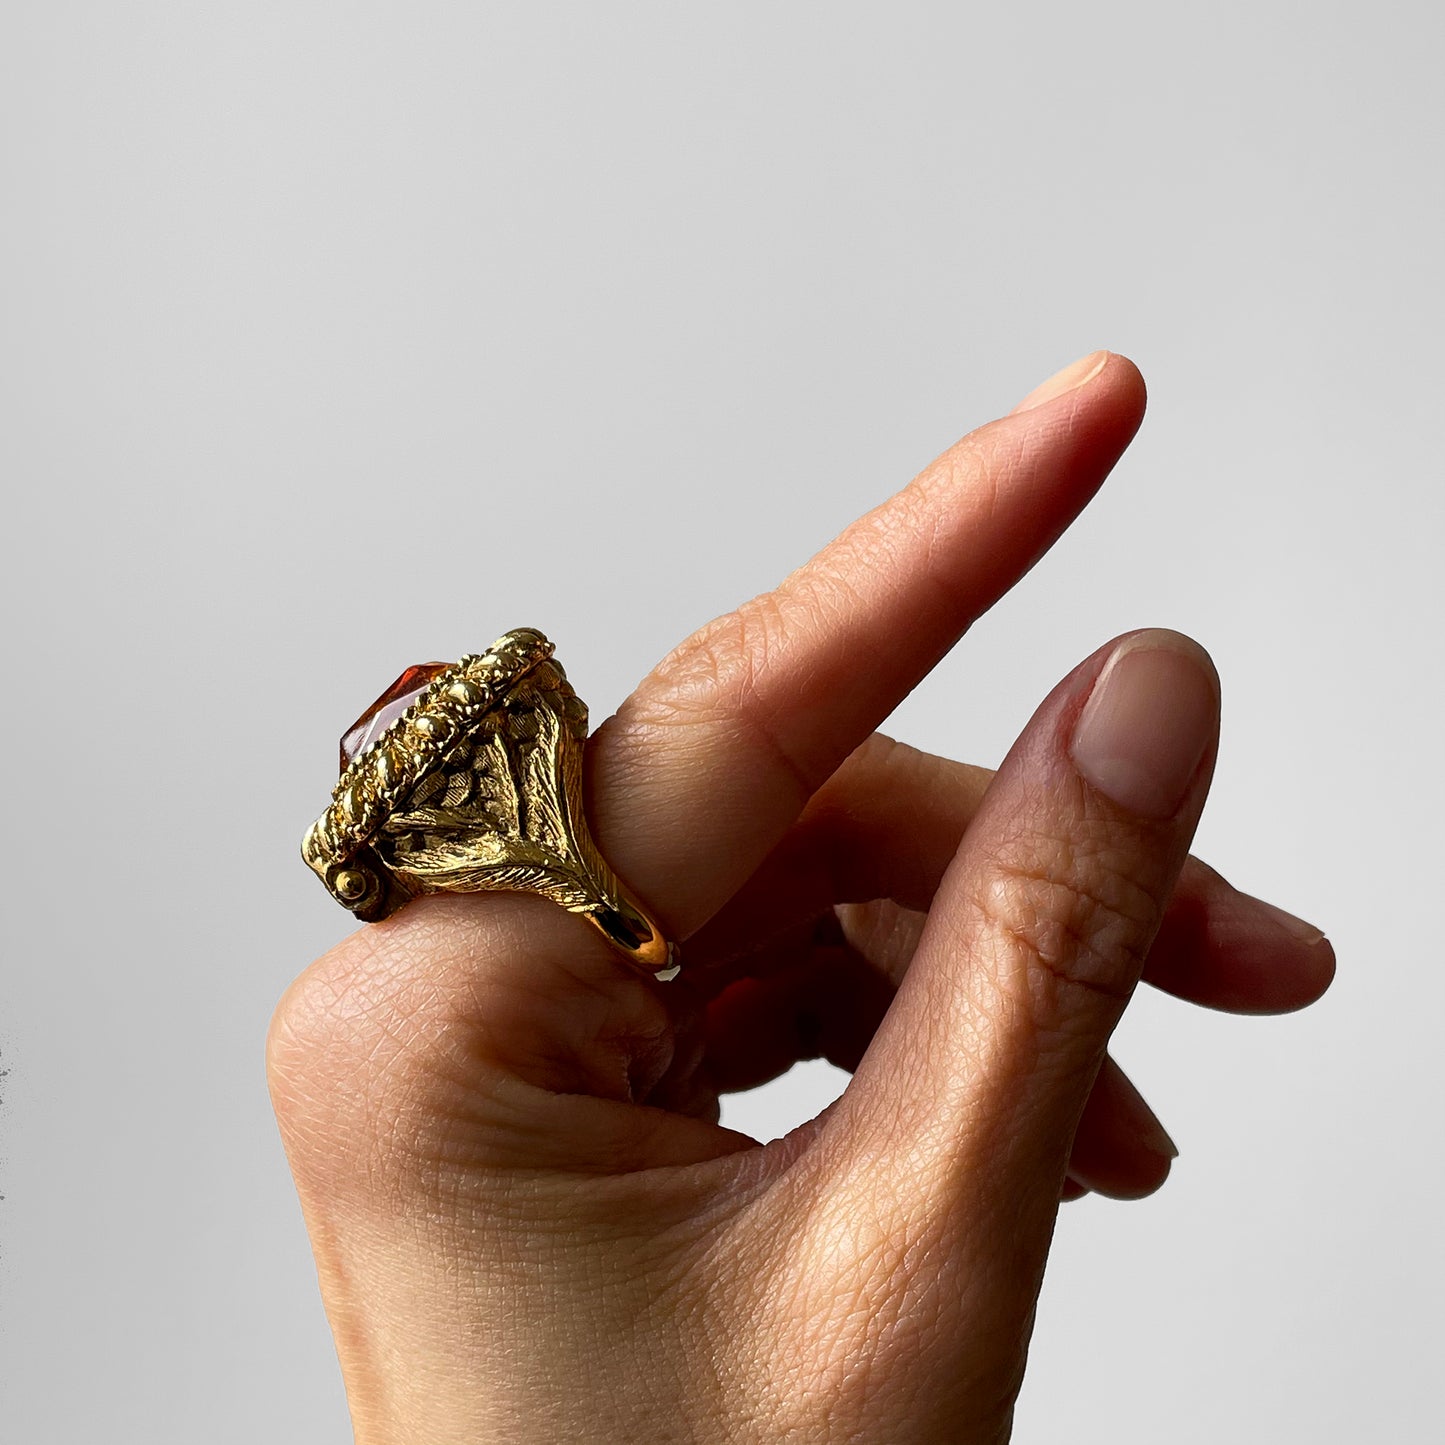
<point>467,777</point>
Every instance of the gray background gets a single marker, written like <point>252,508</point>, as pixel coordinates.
<point>315,320</point>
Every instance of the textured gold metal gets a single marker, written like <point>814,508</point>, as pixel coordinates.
<point>477,786</point>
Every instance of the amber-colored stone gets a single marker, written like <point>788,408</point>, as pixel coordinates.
<point>386,709</point>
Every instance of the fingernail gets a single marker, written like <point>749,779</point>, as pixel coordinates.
<point>1073,376</point>
<point>1147,723</point>
<point>1132,1111</point>
<point>1297,928</point>
<point>1154,1137</point>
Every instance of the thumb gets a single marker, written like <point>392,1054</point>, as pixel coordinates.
<point>955,1132</point>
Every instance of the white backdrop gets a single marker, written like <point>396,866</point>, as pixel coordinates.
<point>318,321</point>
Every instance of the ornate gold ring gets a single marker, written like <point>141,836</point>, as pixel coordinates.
<point>468,777</point>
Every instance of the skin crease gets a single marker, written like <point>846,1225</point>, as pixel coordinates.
<point>527,1222</point>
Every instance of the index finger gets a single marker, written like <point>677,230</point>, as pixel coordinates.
<point>718,750</point>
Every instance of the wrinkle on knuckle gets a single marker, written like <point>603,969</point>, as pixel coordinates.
<point>917,535</point>
<point>339,1046</point>
<point>928,527</point>
<point>978,469</point>
<point>313,1016</point>
<point>367,1044</point>
<point>406,1058</point>
<point>1070,919</point>
<point>711,671</point>
<point>716,685</point>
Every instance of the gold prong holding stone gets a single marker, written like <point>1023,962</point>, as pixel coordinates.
<point>468,778</point>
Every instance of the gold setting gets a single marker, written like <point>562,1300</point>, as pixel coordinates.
<point>477,786</point>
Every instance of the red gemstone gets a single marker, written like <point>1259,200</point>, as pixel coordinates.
<point>386,709</point>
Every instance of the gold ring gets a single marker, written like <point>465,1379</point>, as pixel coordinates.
<point>467,777</point>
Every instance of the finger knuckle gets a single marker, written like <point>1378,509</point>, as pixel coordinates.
<point>341,1058</point>
<point>718,666</point>
<point>714,685</point>
<point>1067,917</point>
<point>979,468</point>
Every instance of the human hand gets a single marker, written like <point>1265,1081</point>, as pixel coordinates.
<point>528,1223</point>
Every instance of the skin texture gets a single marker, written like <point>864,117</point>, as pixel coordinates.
<point>529,1225</point>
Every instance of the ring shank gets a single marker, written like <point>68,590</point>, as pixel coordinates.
<point>632,933</point>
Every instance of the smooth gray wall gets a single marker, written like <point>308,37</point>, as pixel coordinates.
<point>339,336</point>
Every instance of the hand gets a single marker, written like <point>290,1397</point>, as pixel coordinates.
<point>528,1223</point>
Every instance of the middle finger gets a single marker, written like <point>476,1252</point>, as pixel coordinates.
<point>882,831</point>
